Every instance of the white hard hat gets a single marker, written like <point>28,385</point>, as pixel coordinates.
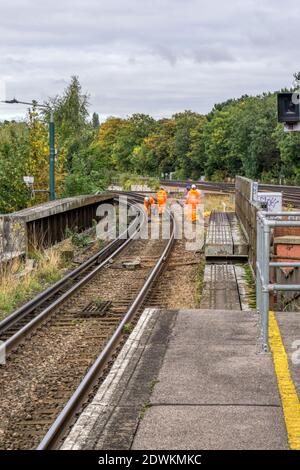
<point>193,186</point>
<point>146,198</point>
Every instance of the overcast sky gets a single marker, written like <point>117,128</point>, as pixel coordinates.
<point>152,56</point>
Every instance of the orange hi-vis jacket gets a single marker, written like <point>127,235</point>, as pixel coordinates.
<point>193,197</point>
<point>148,204</point>
<point>192,200</point>
<point>161,197</point>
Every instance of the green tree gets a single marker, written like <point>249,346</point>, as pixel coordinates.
<point>13,166</point>
<point>154,155</point>
<point>131,135</point>
<point>70,117</point>
<point>95,121</point>
<point>185,123</point>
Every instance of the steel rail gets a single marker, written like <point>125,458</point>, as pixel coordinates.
<point>76,400</point>
<point>105,255</point>
<point>291,194</point>
<point>39,299</point>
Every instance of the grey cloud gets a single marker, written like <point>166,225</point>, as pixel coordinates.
<point>213,54</point>
<point>157,57</point>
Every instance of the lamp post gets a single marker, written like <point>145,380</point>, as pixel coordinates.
<point>51,142</point>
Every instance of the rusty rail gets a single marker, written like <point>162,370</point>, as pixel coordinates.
<point>77,399</point>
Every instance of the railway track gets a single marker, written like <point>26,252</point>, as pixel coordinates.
<point>50,375</point>
<point>204,185</point>
<point>15,327</point>
<point>291,194</point>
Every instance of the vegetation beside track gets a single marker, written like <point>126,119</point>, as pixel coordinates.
<point>218,203</point>
<point>17,286</point>
<point>251,294</point>
<point>16,290</point>
<point>240,136</point>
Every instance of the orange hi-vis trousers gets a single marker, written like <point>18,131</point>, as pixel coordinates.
<point>148,205</point>
<point>193,200</point>
<point>161,197</point>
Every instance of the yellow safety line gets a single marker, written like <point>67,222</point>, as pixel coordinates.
<point>288,394</point>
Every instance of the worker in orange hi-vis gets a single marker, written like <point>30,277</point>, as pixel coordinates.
<point>148,203</point>
<point>161,197</point>
<point>193,199</point>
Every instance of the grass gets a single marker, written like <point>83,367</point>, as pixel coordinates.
<point>200,281</point>
<point>16,290</point>
<point>98,301</point>
<point>289,207</point>
<point>79,240</point>
<point>218,203</point>
<point>152,384</point>
<point>127,328</point>
<point>147,404</point>
<point>251,296</point>
<point>145,407</point>
<point>50,266</point>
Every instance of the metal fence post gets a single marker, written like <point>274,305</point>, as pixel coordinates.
<point>258,283</point>
<point>265,287</point>
<point>264,223</point>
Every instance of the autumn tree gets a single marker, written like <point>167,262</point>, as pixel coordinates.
<point>130,135</point>
<point>13,166</point>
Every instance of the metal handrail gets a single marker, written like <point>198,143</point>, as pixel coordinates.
<point>263,264</point>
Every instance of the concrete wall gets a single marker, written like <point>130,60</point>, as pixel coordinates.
<point>45,224</point>
<point>246,211</point>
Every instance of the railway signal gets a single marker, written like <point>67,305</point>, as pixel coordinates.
<point>289,111</point>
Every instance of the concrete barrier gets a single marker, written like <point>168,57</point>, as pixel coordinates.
<point>246,210</point>
<point>44,225</point>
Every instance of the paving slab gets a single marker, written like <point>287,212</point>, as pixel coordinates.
<point>215,389</point>
<point>211,428</point>
<point>214,358</point>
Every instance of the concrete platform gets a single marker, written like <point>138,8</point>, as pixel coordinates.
<point>187,379</point>
<point>225,237</point>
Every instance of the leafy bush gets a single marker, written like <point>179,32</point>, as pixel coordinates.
<point>81,240</point>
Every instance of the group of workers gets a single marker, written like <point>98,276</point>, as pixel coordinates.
<point>192,200</point>
<point>161,199</point>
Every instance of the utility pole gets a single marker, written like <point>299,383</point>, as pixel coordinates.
<point>52,152</point>
<point>51,157</point>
